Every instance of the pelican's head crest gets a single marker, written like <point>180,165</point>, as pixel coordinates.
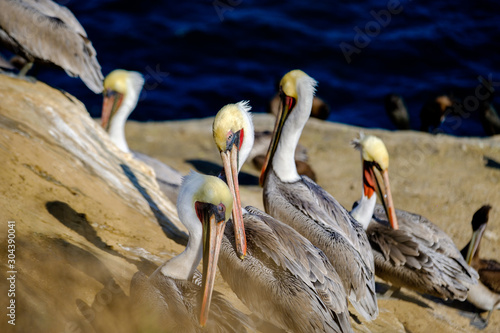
<point>230,120</point>
<point>291,80</point>
<point>120,80</point>
<point>372,150</point>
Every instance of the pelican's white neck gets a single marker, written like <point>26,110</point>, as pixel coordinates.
<point>363,212</point>
<point>283,162</point>
<point>183,265</point>
<point>118,120</point>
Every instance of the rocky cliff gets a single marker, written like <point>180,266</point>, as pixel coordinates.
<point>88,216</point>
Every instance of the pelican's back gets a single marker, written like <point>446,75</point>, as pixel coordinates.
<point>450,276</point>
<point>315,214</point>
<point>284,278</point>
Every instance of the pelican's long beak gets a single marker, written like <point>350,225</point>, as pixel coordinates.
<point>386,197</point>
<point>287,104</point>
<point>230,163</point>
<point>213,230</point>
<point>110,104</point>
<point>474,243</point>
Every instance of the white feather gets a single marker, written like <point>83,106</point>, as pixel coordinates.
<point>284,161</point>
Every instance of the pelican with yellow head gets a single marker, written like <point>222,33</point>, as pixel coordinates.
<point>299,202</point>
<point>169,297</point>
<point>234,136</point>
<point>262,248</point>
<point>375,158</point>
<point>121,94</point>
<point>409,251</point>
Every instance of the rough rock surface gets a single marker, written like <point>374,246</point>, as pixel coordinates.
<point>88,216</point>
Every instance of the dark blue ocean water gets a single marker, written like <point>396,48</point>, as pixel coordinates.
<point>200,55</point>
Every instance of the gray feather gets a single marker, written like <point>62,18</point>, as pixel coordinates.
<point>284,278</point>
<point>419,256</point>
<point>46,32</point>
<point>316,215</point>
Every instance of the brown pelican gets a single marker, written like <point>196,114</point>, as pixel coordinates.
<point>486,295</point>
<point>283,277</point>
<point>168,299</point>
<point>121,93</point>
<point>308,208</point>
<point>43,31</point>
<point>409,250</point>
<point>397,112</point>
<point>434,112</point>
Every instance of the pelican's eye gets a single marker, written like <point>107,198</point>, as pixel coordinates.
<point>230,136</point>
<point>221,208</point>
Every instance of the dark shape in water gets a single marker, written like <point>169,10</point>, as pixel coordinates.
<point>397,112</point>
<point>434,112</point>
<point>487,113</point>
